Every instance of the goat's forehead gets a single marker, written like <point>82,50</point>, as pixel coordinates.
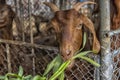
<point>66,15</point>
<point>69,12</point>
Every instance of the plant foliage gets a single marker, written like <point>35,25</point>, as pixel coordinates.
<point>57,66</point>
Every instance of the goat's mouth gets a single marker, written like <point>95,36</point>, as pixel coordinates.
<point>71,63</point>
<point>2,22</point>
<point>68,54</point>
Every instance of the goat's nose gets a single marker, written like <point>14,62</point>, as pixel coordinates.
<point>68,52</point>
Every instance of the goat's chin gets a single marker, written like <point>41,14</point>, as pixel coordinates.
<point>70,65</point>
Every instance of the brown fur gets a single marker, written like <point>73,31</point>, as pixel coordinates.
<point>7,15</point>
<point>116,17</point>
<point>67,25</point>
<point>115,44</point>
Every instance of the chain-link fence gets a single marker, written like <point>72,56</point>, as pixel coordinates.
<point>33,50</point>
<point>115,39</point>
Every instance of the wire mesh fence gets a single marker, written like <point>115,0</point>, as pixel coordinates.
<point>34,50</point>
<point>116,54</point>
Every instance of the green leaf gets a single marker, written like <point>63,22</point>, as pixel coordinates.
<point>28,77</point>
<point>57,65</point>
<point>50,66</point>
<point>13,75</point>
<point>2,77</point>
<point>37,77</point>
<point>12,79</point>
<point>62,76</point>
<point>58,62</point>
<point>90,61</point>
<point>84,41</point>
<point>60,70</point>
<point>20,73</point>
<point>81,54</point>
<point>6,78</point>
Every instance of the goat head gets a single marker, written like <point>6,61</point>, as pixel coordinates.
<point>69,33</point>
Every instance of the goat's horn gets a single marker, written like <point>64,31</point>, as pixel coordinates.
<point>78,5</point>
<point>53,7</point>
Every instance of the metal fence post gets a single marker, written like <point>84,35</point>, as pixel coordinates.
<point>106,55</point>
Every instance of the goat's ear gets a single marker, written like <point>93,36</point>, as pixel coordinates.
<point>88,23</point>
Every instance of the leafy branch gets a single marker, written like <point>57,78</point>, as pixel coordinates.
<point>56,65</point>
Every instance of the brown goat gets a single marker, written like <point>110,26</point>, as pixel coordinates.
<point>69,33</point>
<point>116,17</point>
<point>7,15</point>
<point>116,25</point>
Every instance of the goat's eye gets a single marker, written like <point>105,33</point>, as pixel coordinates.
<point>79,26</point>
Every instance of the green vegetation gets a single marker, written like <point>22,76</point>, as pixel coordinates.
<point>57,66</point>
